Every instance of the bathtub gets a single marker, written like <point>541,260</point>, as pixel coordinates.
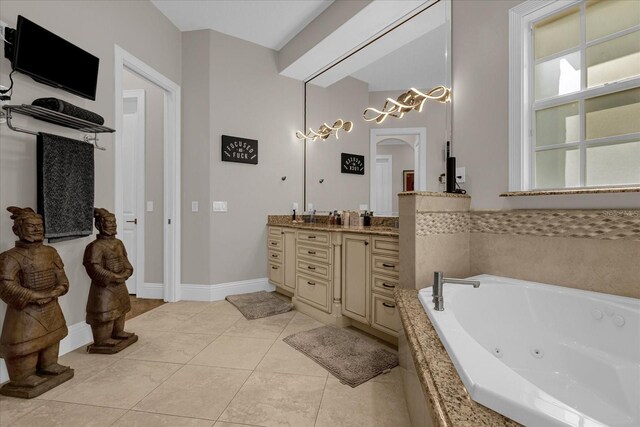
<point>543,355</point>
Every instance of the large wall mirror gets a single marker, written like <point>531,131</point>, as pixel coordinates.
<point>399,154</point>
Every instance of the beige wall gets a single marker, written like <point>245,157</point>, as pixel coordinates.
<point>344,100</point>
<point>153,174</point>
<point>480,61</point>
<point>95,26</point>
<point>232,87</point>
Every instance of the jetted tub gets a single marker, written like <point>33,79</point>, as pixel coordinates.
<point>543,355</point>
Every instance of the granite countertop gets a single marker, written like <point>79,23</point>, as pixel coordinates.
<point>382,231</point>
<point>571,191</point>
<point>452,406</point>
<point>434,194</point>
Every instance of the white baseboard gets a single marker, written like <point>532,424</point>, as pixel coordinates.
<point>221,290</point>
<point>79,335</point>
<point>150,290</point>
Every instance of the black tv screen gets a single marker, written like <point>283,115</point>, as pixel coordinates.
<point>50,59</point>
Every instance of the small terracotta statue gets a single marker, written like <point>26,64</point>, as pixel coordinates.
<point>105,260</point>
<point>31,280</point>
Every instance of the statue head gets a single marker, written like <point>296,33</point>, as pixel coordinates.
<point>105,222</point>
<point>27,224</point>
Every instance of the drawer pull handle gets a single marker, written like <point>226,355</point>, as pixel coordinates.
<point>311,237</point>
<point>274,243</point>
<point>389,265</point>
<point>388,286</point>
<point>389,305</point>
<point>311,252</point>
<point>310,267</point>
<point>274,256</point>
<point>311,283</point>
<point>274,268</point>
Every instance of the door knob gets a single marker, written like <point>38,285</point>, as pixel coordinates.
<point>135,221</point>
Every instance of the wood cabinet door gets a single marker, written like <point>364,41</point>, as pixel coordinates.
<point>289,281</point>
<point>356,277</point>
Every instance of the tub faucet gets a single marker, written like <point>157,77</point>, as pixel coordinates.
<point>439,280</point>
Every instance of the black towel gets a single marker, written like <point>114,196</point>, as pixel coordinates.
<point>64,107</point>
<point>65,187</point>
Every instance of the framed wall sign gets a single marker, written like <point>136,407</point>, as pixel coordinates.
<point>239,150</point>
<point>352,163</point>
<point>407,180</point>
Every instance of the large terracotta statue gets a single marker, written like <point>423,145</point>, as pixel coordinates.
<point>105,260</point>
<point>31,280</point>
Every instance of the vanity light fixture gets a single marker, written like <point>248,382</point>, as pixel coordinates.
<point>326,131</point>
<point>413,99</point>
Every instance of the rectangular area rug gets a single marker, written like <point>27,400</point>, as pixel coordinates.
<point>256,305</point>
<point>352,358</point>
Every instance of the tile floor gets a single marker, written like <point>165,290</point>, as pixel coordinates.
<point>203,364</point>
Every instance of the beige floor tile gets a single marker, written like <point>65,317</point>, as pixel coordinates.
<point>195,391</point>
<point>52,414</point>
<point>121,385</point>
<point>190,307</point>
<point>84,365</point>
<point>285,359</point>
<point>223,424</point>
<point>373,403</point>
<point>300,322</point>
<point>12,408</point>
<point>233,352</point>
<point>145,419</point>
<point>393,376</point>
<point>267,327</point>
<point>174,347</point>
<point>271,399</point>
<point>209,322</point>
<point>222,306</point>
<point>157,321</point>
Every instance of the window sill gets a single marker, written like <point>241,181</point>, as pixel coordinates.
<point>571,191</point>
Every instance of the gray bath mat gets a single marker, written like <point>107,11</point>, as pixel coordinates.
<point>259,304</point>
<point>352,358</point>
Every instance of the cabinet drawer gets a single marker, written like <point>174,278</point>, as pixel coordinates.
<point>314,237</point>
<point>275,255</point>
<point>384,314</point>
<point>276,273</point>
<point>275,243</point>
<point>314,253</point>
<point>385,245</point>
<point>315,269</point>
<point>314,291</point>
<point>384,285</point>
<point>275,232</point>
<point>385,265</point>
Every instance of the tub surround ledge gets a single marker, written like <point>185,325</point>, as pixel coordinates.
<point>448,398</point>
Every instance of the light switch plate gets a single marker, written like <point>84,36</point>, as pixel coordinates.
<point>461,173</point>
<point>194,206</point>
<point>220,206</point>
<point>149,206</point>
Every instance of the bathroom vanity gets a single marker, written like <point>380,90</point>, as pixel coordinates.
<point>338,275</point>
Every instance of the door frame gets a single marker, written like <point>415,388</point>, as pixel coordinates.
<point>139,95</point>
<point>171,171</point>
<point>388,160</point>
<point>419,157</point>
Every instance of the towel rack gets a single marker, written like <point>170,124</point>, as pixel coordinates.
<point>57,118</point>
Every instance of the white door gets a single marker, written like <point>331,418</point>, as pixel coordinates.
<point>132,169</point>
<point>383,178</point>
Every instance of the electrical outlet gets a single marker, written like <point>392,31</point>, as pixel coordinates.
<point>220,206</point>
<point>194,206</point>
<point>5,102</point>
<point>461,175</point>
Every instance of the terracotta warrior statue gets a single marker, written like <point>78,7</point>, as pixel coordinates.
<point>32,278</point>
<point>105,260</point>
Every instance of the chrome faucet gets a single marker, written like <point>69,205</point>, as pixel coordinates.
<point>439,280</point>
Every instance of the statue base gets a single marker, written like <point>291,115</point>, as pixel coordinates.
<point>30,392</point>
<point>106,349</point>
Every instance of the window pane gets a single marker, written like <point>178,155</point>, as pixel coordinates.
<point>617,164</point>
<point>558,168</point>
<point>614,114</point>
<point>609,16</point>
<point>558,33</point>
<point>557,125</point>
<point>558,76</point>
<point>614,60</point>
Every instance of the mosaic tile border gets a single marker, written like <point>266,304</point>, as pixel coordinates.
<point>594,224</point>
<point>452,222</point>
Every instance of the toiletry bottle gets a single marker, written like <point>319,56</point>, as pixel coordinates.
<point>367,219</point>
<point>332,219</point>
<point>346,218</point>
<point>338,219</point>
<point>293,217</point>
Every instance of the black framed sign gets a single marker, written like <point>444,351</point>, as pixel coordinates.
<point>239,150</point>
<point>352,163</point>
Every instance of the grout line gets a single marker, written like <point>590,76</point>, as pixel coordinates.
<point>120,417</point>
<point>326,380</point>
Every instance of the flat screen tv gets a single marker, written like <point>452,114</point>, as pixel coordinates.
<point>50,59</point>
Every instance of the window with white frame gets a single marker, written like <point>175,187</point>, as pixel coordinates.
<point>574,95</point>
